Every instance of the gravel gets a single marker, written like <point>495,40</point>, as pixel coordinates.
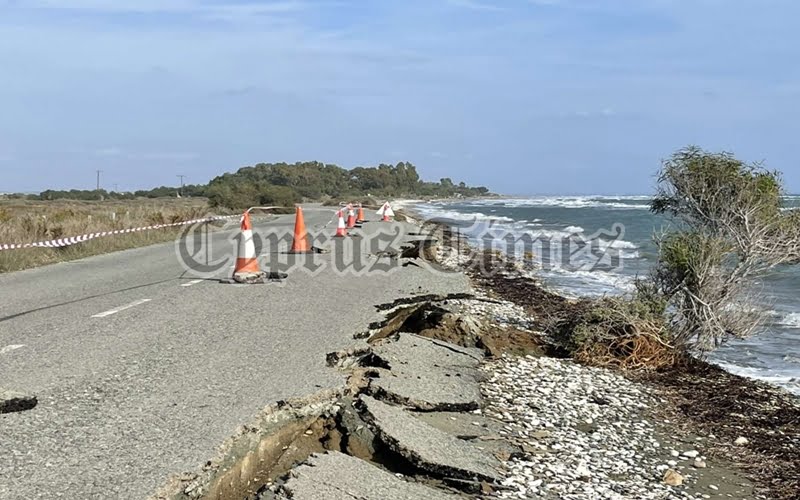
<point>581,431</point>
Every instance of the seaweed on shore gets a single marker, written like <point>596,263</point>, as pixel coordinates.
<point>707,397</point>
<point>609,332</point>
<point>499,274</point>
<point>702,397</point>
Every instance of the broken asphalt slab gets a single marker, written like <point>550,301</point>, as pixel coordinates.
<point>11,401</point>
<point>336,476</point>
<point>427,375</point>
<point>425,447</point>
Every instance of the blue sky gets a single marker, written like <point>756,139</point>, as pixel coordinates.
<point>524,96</point>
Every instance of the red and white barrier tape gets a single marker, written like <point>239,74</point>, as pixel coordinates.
<point>72,240</point>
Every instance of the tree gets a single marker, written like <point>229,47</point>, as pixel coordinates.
<point>728,230</point>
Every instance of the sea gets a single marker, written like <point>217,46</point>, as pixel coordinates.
<point>590,246</point>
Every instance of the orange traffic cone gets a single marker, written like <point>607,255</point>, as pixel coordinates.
<point>300,242</point>
<point>351,218</point>
<point>246,261</point>
<point>360,217</point>
<point>341,232</point>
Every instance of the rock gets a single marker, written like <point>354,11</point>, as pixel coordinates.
<point>11,401</point>
<point>712,487</point>
<point>470,326</point>
<point>691,454</point>
<point>426,447</point>
<point>336,476</point>
<point>699,463</point>
<point>675,453</point>
<point>673,478</point>
<point>360,442</point>
<point>741,441</point>
<point>428,375</point>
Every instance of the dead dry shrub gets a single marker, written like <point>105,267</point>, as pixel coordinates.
<point>619,332</point>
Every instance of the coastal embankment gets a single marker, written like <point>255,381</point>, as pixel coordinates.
<point>460,394</point>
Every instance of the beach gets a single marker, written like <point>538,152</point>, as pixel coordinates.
<point>412,373</point>
<point>520,421</point>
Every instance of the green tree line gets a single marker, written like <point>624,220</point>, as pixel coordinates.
<point>285,184</point>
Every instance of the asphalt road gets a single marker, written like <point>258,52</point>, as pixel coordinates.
<point>143,368</point>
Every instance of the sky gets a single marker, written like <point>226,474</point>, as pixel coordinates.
<point>522,96</point>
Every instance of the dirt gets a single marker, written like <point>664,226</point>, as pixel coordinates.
<point>497,342</point>
<point>426,316</point>
<point>501,276</point>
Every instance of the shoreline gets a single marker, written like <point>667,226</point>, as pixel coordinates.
<point>533,425</point>
<point>706,399</point>
<point>759,365</point>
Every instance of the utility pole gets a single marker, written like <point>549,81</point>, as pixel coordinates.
<point>181,176</point>
<point>98,179</point>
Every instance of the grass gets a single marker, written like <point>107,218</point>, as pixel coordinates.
<point>23,221</point>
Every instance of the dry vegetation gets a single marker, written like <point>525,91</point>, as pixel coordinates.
<point>23,221</point>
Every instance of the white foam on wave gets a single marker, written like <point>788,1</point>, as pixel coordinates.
<point>616,244</point>
<point>788,380</point>
<point>585,283</point>
<point>574,229</point>
<point>615,202</point>
<point>791,320</point>
<point>461,216</point>
<point>792,359</point>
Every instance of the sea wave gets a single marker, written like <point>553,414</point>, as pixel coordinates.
<point>792,359</point>
<point>788,380</point>
<point>613,202</point>
<point>585,283</point>
<point>792,320</point>
<point>461,216</point>
<point>617,244</point>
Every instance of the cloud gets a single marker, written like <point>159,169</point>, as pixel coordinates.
<point>108,152</point>
<point>166,156</point>
<point>229,83</point>
<point>475,5</point>
<point>604,112</point>
<point>118,153</point>
<point>161,6</point>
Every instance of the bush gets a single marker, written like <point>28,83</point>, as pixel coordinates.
<point>279,195</point>
<point>621,332</point>
<point>728,230</point>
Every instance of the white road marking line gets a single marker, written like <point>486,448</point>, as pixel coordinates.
<point>10,348</point>
<point>194,282</point>
<point>118,309</point>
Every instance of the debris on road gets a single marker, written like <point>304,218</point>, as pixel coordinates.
<point>11,401</point>
<point>336,476</point>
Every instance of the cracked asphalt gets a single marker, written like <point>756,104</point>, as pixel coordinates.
<point>142,368</point>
